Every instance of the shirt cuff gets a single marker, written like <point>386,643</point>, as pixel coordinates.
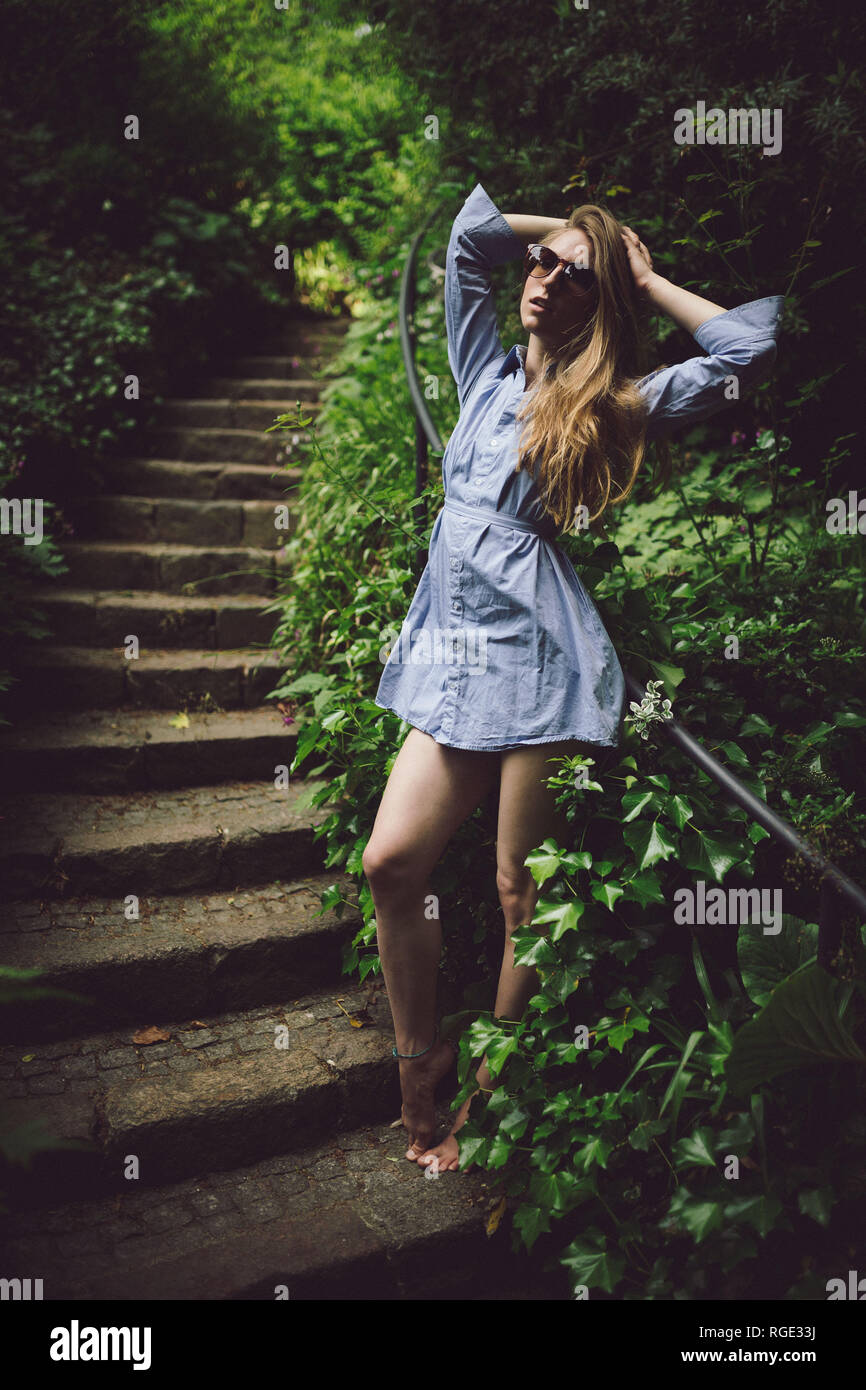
<point>482,223</point>
<point>758,320</point>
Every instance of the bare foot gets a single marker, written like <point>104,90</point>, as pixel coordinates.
<point>419,1078</point>
<point>445,1158</point>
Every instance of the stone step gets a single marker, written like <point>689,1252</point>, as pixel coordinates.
<point>184,956</point>
<point>57,846</point>
<point>171,569</point>
<point>327,334</point>
<point>70,678</point>
<point>176,521</point>
<point>213,412</point>
<point>280,365</point>
<point>263,388</point>
<point>145,477</point>
<point>107,617</point>
<point>346,1219</point>
<point>103,751</point>
<point>186,443</point>
<point>219,1091</point>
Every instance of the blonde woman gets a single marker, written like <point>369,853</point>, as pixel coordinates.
<point>502,661</point>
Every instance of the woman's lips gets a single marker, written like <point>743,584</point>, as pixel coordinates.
<point>539,303</point>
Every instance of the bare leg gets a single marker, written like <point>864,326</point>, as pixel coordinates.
<point>430,791</point>
<point>527,815</point>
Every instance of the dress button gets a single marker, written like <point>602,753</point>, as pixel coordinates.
<point>494,442</point>
<point>454,563</point>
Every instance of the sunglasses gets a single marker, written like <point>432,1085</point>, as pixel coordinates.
<point>539,261</point>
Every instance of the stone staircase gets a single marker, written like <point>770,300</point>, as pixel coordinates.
<point>226,1095</point>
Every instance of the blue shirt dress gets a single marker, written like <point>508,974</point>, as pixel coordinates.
<point>502,645</point>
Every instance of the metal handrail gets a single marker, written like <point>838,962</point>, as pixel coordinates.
<point>834,883</point>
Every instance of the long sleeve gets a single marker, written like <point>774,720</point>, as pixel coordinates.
<point>480,239</point>
<point>741,342</point>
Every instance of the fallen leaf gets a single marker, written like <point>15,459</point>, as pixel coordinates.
<point>495,1217</point>
<point>150,1035</point>
<point>180,721</point>
<point>197,1023</point>
<point>29,1057</point>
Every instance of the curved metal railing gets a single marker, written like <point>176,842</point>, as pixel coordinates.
<point>838,891</point>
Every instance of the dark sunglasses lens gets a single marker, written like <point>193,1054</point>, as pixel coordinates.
<point>580,277</point>
<point>540,260</point>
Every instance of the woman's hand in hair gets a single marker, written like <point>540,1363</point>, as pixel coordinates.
<point>639,259</point>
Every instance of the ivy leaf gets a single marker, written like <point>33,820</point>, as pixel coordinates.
<point>698,1217</point>
<point>531,949</point>
<point>515,1122</point>
<point>607,893</point>
<point>500,1151</point>
<point>595,1152</point>
<point>695,1148</point>
<point>472,1151</point>
<point>543,863</point>
<point>531,1222</point>
<point>816,1202</point>
<point>762,1212</point>
<point>498,1052</point>
<point>565,917</point>
<point>649,842</point>
<point>592,1266</point>
<point>643,888</point>
<point>634,802</point>
<point>680,811</point>
<point>713,855</point>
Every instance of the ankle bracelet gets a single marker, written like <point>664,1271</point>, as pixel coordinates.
<point>395,1053</point>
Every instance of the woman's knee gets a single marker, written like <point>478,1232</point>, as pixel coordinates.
<point>516,888</point>
<point>391,870</point>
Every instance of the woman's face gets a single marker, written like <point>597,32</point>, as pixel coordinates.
<point>549,307</point>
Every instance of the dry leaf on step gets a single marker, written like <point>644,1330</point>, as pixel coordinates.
<point>151,1035</point>
<point>495,1217</point>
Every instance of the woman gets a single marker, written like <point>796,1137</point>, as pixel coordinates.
<point>502,662</point>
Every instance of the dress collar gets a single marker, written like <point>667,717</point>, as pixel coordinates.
<point>516,357</point>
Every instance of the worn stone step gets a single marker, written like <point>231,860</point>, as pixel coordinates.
<point>212,412</point>
<point>65,844</point>
<point>171,568</point>
<point>328,335</point>
<point>181,957</point>
<point>69,678</point>
<point>221,1090</point>
<point>263,388</point>
<point>108,617</point>
<point>191,444</point>
<point>346,1219</point>
<point>279,365</point>
<point>109,751</point>
<point>143,477</point>
<point>176,521</point>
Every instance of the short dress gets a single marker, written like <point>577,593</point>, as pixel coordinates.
<point>502,645</point>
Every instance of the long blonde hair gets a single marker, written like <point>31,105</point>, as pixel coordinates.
<point>586,433</point>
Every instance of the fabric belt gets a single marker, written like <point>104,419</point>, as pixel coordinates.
<point>500,518</point>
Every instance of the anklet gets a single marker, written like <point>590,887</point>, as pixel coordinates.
<point>395,1053</point>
